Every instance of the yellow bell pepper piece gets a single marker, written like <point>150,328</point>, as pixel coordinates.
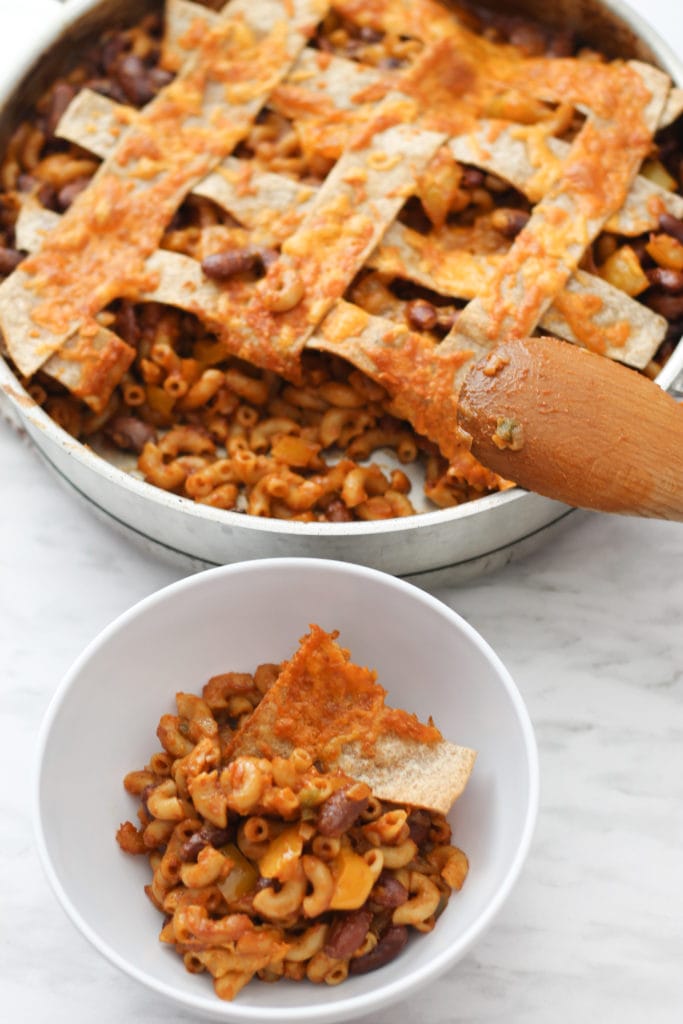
<point>242,877</point>
<point>353,880</point>
<point>282,856</point>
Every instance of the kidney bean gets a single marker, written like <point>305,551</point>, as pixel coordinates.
<point>509,221</point>
<point>388,892</point>
<point>129,433</point>
<point>158,78</point>
<point>61,97</point>
<point>220,266</point>
<point>10,259</point>
<point>192,847</point>
<point>339,812</point>
<point>107,87</point>
<point>112,50</point>
<point>207,835</point>
<point>671,226</point>
<point>216,836</point>
<point>530,38</point>
<point>388,947</point>
<point>668,306</point>
<point>337,512</point>
<point>472,177</point>
<point>47,197</point>
<point>127,323</point>
<point>68,193</point>
<point>670,281</point>
<point>419,823</point>
<point>347,933</point>
<point>369,34</point>
<point>561,44</point>
<point>421,315</point>
<point>132,75</point>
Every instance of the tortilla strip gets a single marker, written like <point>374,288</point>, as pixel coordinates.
<point>593,314</point>
<point>325,704</point>
<point>276,205</point>
<point>542,258</point>
<point>183,19</point>
<point>526,156</point>
<point>673,108</point>
<point>271,204</point>
<point>251,196</point>
<point>179,17</point>
<point>352,209</point>
<point>103,239</point>
<point>94,122</point>
<point>33,223</point>
<point>419,374</point>
<point>416,371</point>
<point>588,311</point>
<point>531,160</point>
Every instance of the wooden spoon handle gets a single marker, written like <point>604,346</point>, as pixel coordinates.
<point>574,426</point>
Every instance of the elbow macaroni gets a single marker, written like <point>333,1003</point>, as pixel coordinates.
<point>251,888</point>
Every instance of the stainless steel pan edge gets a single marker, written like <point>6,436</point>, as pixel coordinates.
<point>450,545</point>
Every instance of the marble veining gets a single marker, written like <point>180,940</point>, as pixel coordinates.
<point>590,626</point>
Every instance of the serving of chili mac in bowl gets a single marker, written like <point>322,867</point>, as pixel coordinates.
<point>266,809</point>
<point>248,250</point>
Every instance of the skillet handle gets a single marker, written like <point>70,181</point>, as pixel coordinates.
<point>27,28</point>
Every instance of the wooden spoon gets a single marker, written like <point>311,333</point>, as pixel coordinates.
<point>572,425</point>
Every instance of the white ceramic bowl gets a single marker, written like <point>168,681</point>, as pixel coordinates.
<point>102,722</point>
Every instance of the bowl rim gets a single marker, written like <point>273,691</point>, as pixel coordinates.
<point>352,1006</point>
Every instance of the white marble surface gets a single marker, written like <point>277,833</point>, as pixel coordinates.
<point>590,627</point>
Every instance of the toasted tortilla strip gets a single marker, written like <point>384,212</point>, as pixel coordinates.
<point>412,256</point>
<point>33,223</point>
<point>673,108</point>
<point>588,311</point>
<point>98,251</point>
<point>526,156</point>
<point>94,122</point>
<point>91,365</point>
<point>337,80</point>
<point>531,160</point>
<point>178,281</point>
<point>258,199</point>
<point>547,251</point>
<point>420,375</point>
<point>336,711</point>
<point>271,204</point>
<point>183,19</point>
<point>179,18</point>
<point>358,200</point>
<point>593,314</point>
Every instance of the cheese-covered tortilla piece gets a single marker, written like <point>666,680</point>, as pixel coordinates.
<point>530,158</point>
<point>336,710</point>
<point>594,314</point>
<point>596,176</point>
<point>98,251</point>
